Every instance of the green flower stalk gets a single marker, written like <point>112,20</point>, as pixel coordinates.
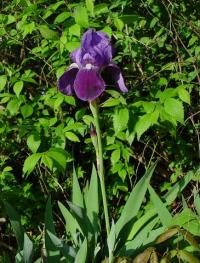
<point>100,166</point>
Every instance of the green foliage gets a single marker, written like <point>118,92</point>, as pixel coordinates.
<point>90,246</point>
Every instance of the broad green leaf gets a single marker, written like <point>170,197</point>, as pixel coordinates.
<point>59,157</point>
<point>77,196</point>
<point>174,108</point>
<point>75,30</point>
<point>163,212</point>
<point>47,161</point>
<point>81,16</point>
<point>120,119</point>
<point>119,24</point>
<point>62,17</point>
<point>115,156</point>
<point>18,87</point>
<point>90,6</point>
<point>13,106</point>
<point>145,122</point>
<point>71,46</point>
<point>53,254</point>
<point>26,110</point>
<point>183,94</point>
<point>132,206</point>
<point>16,224</point>
<point>110,103</point>
<point>188,220</point>
<point>101,9</point>
<point>27,249</point>
<point>3,80</point>
<point>72,136</point>
<point>33,142</point>
<point>81,256</point>
<point>47,33</point>
<point>31,162</point>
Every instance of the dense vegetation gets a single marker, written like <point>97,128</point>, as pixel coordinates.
<point>45,134</point>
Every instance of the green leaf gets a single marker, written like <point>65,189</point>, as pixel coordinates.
<point>59,157</point>
<point>62,17</point>
<point>75,30</point>
<point>30,163</point>
<point>132,206</point>
<point>81,16</point>
<point>27,249</point>
<point>71,46</point>
<point>3,80</point>
<point>110,103</point>
<point>53,254</point>
<point>93,206</point>
<point>183,94</point>
<point>77,197</point>
<point>18,87</point>
<point>82,253</point>
<point>174,108</point>
<point>82,219</point>
<point>111,241</point>
<point>47,161</point>
<point>26,110</point>
<point>119,24</point>
<point>72,136</point>
<point>145,122</point>
<point>115,156</point>
<point>47,33</point>
<point>164,214</point>
<point>90,6</point>
<point>33,142</point>
<point>13,106</point>
<point>70,222</point>
<point>197,203</point>
<point>120,119</point>
<point>16,224</point>
<point>68,252</point>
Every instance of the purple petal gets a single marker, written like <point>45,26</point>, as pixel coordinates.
<point>114,72</point>
<point>97,45</point>
<point>88,84</point>
<point>66,81</point>
<point>76,56</point>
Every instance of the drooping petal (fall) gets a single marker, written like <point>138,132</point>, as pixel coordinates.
<point>113,71</point>
<point>88,84</point>
<point>66,81</point>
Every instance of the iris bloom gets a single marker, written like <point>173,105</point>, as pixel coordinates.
<point>91,59</point>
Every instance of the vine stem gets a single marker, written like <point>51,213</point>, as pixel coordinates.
<point>100,166</point>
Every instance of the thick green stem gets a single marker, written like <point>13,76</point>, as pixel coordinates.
<point>100,166</point>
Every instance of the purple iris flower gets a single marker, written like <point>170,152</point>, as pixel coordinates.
<point>91,60</point>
